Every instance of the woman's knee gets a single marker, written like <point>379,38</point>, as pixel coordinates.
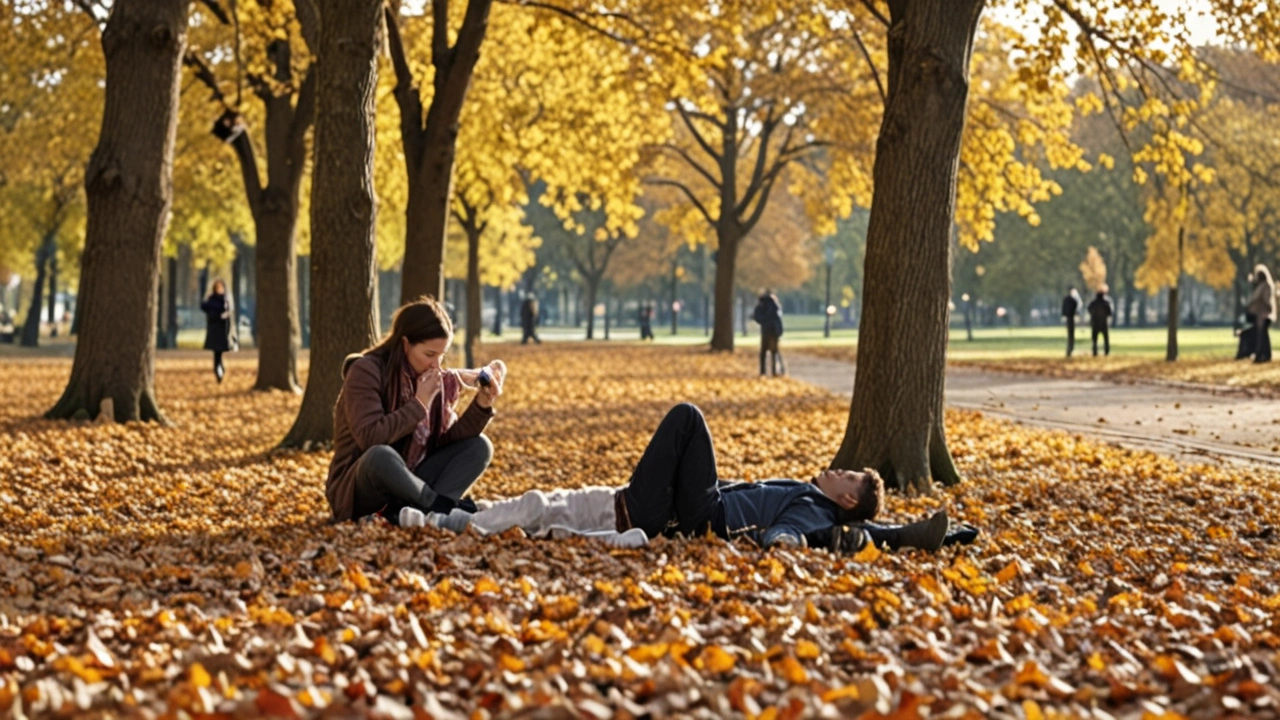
<point>482,448</point>
<point>685,412</point>
<point>380,456</point>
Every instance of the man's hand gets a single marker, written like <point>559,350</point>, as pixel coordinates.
<point>497,374</point>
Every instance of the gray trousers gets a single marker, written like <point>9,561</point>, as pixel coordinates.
<point>383,479</point>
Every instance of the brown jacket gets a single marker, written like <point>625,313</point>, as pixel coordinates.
<point>360,421</point>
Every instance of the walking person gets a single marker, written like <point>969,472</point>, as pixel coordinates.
<point>1100,313</point>
<point>1262,306</point>
<point>529,320</point>
<point>220,326</point>
<point>398,442</point>
<point>768,314</point>
<point>1070,308</point>
<point>646,321</point>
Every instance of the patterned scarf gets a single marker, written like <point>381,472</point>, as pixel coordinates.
<point>440,415</point>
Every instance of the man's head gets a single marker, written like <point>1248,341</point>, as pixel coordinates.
<point>859,492</point>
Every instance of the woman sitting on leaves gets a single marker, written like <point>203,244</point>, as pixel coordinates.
<point>398,442</point>
<point>676,491</point>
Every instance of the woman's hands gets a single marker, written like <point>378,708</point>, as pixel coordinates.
<point>428,386</point>
<point>497,375</point>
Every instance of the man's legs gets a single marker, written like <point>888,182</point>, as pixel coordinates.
<point>1071,335</point>
<point>1106,341</point>
<point>1263,353</point>
<point>1095,341</point>
<point>676,476</point>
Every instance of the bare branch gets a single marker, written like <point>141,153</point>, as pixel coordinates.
<point>688,116</point>
<point>871,6</point>
<point>692,163</point>
<point>583,21</point>
<point>688,193</point>
<point>204,74</point>
<point>406,91</point>
<point>875,72</point>
<point>216,8</point>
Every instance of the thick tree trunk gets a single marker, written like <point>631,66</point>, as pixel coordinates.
<point>427,213</point>
<point>896,417</point>
<point>128,187</point>
<point>304,299</point>
<point>343,207</point>
<point>278,331</point>
<point>1171,339</point>
<point>473,295</point>
<point>31,327</point>
<point>726,264</point>
<point>171,305</point>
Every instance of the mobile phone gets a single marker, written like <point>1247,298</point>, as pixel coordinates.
<point>483,378</point>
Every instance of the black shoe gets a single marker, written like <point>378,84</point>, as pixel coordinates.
<point>219,371</point>
<point>848,539</point>
<point>923,534</point>
<point>468,505</point>
<point>962,534</point>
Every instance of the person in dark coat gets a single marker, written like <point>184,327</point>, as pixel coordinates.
<point>1070,308</point>
<point>529,320</point>
<point>220,327</point>
<point>1100,312</point>
<point>768,314</point>
<point>1262,307</point>
<point>646,322</point>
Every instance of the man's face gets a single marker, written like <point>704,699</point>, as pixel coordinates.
<point>842,486</point>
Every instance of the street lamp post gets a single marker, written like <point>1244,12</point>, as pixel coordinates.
<point>826,306</point>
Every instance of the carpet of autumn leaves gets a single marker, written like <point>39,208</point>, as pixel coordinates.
<point>189,570</point>
<point>1216,374</point>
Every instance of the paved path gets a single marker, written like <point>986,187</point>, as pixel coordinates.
<point>1189,424</point>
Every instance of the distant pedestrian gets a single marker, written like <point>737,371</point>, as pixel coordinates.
<point>1100,313</point>
<point>646,321</point>
<point>768,314</point>
<point>1070,308</point>
<point>529,320</point>
<point>1262,306</point>
<point>220,326</point>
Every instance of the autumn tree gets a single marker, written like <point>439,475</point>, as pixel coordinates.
<point>430,139</point>
<point>127,186</point>
<point>343,207</point>
<point>52,65</point>
<point>268,48</point>
<point>895,422</point>
<point>1093,270</point>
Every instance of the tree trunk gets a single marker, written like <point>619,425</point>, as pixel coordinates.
<point>53,291</point>
<point>304,299</point>
<point>726,264</point>
<point>1171,341</point>
<point>31,328</point>
<point>896,417</point>
<point>171,305</point>
<point>593,286</point>
<point>278,332</point>
<point>497,311</point>
<point>343,209</point>
<point>128,188</point>
<point>473,295</point>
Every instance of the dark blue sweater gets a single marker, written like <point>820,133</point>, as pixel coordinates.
<point>764,510</point>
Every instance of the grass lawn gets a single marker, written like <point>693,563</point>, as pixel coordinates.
<point>156,571</point>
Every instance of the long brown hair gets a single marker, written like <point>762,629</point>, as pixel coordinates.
<point>420,320</point>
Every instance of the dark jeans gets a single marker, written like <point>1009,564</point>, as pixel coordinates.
<point>1262,343</point>
<point>769,345</point>
<point>673,488</point>
<point>1071,335</point>
<point>528,332</point>
<point>383,480</point>
<point>1106,340</point>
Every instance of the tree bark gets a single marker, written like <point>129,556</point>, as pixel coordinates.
<point>128,187</point>
<point>343,274</point>
<point>593,286</point>
<point>53,291</point>
<point>473,295</point>
<point>896,417</point>
<point>31,327</point>
<point>729,239</point>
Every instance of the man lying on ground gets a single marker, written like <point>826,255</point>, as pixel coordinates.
<point>675,490</point>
